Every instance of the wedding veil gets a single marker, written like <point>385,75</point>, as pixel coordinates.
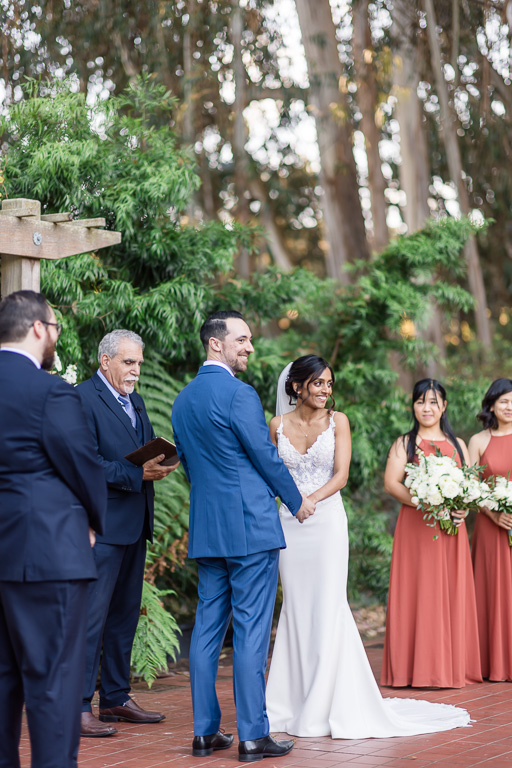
<point>283,400</point>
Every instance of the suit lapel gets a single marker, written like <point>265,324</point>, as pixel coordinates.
<point>115,408</point>
<point>141,414</point>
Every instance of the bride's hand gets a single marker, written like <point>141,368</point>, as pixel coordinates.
<point>307,508</point>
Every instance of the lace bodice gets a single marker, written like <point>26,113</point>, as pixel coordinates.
<point>314,468</point>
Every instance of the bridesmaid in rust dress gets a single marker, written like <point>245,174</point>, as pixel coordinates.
<point>431,625</point>
<point>492,555</point>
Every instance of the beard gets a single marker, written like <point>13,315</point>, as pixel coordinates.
<point>129,385</point>
<point>48,356</point>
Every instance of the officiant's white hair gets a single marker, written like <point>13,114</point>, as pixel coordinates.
<point>109,345</point>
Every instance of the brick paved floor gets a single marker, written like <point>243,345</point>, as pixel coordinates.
<point>488,743</point>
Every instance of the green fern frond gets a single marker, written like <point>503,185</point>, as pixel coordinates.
<point>156,638</point>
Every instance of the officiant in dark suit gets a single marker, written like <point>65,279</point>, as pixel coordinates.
<point>119,424</point>
<point>52,499</point>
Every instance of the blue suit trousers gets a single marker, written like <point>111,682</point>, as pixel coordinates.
<point>244,589</point>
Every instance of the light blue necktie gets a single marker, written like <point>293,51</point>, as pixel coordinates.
<point>125,403</point>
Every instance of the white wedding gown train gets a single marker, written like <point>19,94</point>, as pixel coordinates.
<point>320,681</point>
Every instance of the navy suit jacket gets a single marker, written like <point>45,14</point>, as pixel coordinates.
<point>233,467</point>
<point>129,497</point>
<point>51,485</point>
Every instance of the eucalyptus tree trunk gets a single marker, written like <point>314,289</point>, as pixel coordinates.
<point>343,218</point>
<point>239,133</point>
<point>367,99</point>
<point>275,240</point>
<point>449,137</point>
<point>190,75</point>
<point>414,169</point>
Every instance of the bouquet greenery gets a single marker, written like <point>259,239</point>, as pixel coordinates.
<point>499,497</point>
<point>438,487</point>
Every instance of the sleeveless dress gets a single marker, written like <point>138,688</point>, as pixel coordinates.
<point>320,681</point>
<point>431,625</point>
<point>492,563</point>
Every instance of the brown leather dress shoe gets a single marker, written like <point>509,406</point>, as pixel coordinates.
<point>129,712</point>
<point>90,726</point>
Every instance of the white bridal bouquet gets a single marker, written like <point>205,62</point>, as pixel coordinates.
<point>438,487</point>
<point>499,498</point>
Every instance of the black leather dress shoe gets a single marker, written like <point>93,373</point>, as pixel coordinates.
<point>250,751</point>
<point>204,745</point>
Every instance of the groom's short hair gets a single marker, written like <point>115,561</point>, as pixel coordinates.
<point>215,326</point>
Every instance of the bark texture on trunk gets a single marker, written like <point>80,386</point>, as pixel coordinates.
<point>367,99</point>
<point>414,169</point>
<point>239,134</point>
<point>449,137</point>
<point>343,218</point>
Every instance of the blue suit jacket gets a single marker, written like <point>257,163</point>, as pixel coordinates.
<point>235,473</point>
<point>51,485</point>
<point>128,495</point>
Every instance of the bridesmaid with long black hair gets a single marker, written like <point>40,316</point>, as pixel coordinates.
<point>431,625</point>
<point>492,554</point>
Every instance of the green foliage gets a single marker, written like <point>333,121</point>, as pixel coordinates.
<point>370,550</point>
<point>156,637</point>
<point>120,160</point>
<point>167,564</point>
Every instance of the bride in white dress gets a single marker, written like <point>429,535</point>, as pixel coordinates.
<point>320,682</point>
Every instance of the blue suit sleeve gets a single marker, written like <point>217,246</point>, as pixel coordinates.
<point>70,448</point>
<point>247,421</point>
<point>181,454</point>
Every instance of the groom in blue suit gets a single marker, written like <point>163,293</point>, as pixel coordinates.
<point>234,533</point>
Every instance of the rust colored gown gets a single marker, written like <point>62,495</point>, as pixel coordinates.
<point>431,625</point>
<point>492,563</point>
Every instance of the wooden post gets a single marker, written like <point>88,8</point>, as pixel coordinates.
<point>19,272</point>
<point>26,237</point>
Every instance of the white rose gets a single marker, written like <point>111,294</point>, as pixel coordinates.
<point>472,490</point>
<point>70,374</point>
<point>449,487</point>
<point>434,497</point>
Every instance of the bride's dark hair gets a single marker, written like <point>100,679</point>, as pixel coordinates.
<point>305,368</point>
<point>421,389</point>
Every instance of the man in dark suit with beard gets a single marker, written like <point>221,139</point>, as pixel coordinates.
<point>52,499</point>
<point>119,425</point>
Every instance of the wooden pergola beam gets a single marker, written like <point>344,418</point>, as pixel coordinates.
<point>38,239</point>
<point>26,237</point>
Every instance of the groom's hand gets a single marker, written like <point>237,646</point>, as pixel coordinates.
<point>307,509</point>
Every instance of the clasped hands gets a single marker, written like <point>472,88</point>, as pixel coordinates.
<point>458,516</point>
<point>306,510</point>
<point>153,470</point>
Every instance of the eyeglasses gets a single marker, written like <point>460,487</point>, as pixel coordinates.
<point>58,326</point>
